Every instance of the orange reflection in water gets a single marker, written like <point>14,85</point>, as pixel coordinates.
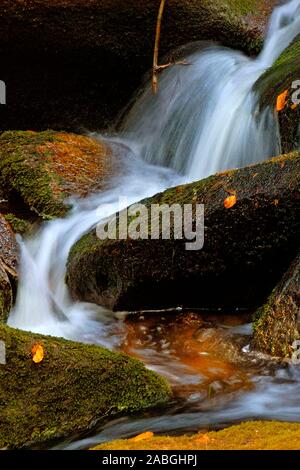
<point>196,353</point>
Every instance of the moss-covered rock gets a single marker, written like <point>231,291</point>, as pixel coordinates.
<point>75,64</point>
<point>247,247</point>
<point>276,80</point>
<point>38,171</point>
<point>276,325</point>
<point>74,387</point>
<point>18,225</point>
<point>253,435</point>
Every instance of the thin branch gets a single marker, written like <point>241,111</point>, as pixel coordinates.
<point>158,68</point>
<point>169,64</point>
<point>156,46</point>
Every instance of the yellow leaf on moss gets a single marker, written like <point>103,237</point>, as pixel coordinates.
<point>281,100</point>
<point>37,352</point>
<point>142,437</point>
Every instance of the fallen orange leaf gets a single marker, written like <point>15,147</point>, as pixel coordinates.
<point>294,106</point>
<point>276,202</point>
<point>230,201</point>
<point>37,352</point>
<point>143,436</point>
<point>281,100</point>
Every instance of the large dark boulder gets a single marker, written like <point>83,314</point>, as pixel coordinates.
<point>74,64</point>
<point>247,247</point>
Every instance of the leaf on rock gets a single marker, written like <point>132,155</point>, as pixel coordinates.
<point>142,437</point>
<point>37,352</point>
<point>282,100</point>
<point>230,201</point>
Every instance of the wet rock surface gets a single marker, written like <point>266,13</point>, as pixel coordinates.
<point>8,267</point>
<point>247,247</point>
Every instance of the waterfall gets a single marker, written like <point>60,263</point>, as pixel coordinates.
<point>203,120</point>
<point>205,117</point>
<point>43,304</point>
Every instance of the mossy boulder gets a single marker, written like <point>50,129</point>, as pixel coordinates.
<point>277,323</point>
<point>18,225</point>
<point>8,267</point>
<point>276,80</point>
<point>74,65</point>
<point>74,387</point>
<point>246,250</point>
<point>253,435</point>
<point>40,170</point>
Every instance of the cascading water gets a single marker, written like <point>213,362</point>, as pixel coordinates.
<point>43,303</point>
<point>204,119</point>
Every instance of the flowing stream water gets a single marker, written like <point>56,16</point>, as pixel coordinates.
<point>204,119</point>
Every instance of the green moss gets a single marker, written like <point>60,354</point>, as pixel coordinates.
<point>74,387</point>
<point>86,242</point>
<point>272,83</point>
<point>23,172</point>
<point>276,322</point>
<point>253,435</point>
<point>261,332</point>
<point>280,76</point>
<point>6,295</point>
<point>243,6</point>
<point>18,225</point>
<point>29,137</point>
<point>5,303</point>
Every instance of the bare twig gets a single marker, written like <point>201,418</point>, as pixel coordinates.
<point>169,64</point>
<point>158,68</point>
<point>156,46</point>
